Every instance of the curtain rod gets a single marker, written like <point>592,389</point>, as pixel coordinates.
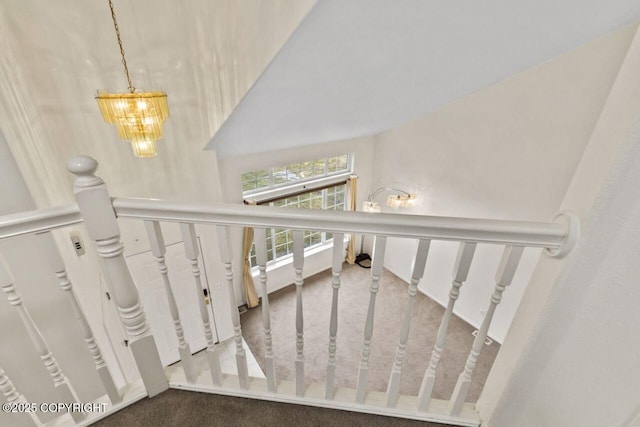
<point>296,193</point>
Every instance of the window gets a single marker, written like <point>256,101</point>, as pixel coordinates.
<point>276,180</point>
<point>281,176</point>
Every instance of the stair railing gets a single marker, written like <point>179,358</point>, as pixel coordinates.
<point>100,214</point>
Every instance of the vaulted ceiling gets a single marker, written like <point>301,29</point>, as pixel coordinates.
<point>351,68</point>
<point>359,67</point>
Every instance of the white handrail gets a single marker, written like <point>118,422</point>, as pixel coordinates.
<point>552,236</point>
<point>40,220</point>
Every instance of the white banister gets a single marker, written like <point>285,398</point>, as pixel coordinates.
<point>225,255</point>
<point>99,217</point>
<point>158,249</point>
<point>192,252</point>
<point>555,235</point>
<point>100,213</point>
<point>460,272</point>
<point>14,398</point>
<point>19,224</point>
<point>57,267</point>
<point>379,246</point>
<point>504,276</point>
<point>260,242</point>
<point>419,264</point>
<point>61,383</point>
<point>298,264</point>
<point>336,270</point>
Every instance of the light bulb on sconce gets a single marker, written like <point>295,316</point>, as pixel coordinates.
<point>371,207</point>
<point>396,200</point>
<point>401,200</point>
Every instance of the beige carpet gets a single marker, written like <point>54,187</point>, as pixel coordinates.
<point>182,408</point>
<point>390,307</point>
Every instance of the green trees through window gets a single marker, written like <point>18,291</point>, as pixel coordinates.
<point>264,179</point>
<point>280,240</point>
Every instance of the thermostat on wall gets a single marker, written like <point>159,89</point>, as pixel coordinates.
<point>76,240</point>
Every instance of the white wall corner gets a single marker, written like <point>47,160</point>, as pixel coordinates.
<point>555,365</point>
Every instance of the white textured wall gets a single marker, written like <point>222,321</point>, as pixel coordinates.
<point>571,357</point>
<point>508,151</point>
<point>204,54</point>
<point>585,368</point>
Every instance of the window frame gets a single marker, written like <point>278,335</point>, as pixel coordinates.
<point>273,232</point>
<point>281,190</point>
<point>273,194</point>
<point>285,190</point>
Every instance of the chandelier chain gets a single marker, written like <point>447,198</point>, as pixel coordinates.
<point>124,61</point>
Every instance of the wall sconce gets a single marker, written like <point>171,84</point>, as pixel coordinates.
<point>397,199</point>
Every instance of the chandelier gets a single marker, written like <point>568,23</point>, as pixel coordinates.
<point>138,116</point>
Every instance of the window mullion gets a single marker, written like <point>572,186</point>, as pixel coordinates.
<point>273,244</point>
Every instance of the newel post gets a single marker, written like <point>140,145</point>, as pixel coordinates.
<point>100,219</point>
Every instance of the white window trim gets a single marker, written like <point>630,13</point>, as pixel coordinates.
<point>288,259</point>
<point>298,187</point>
<point>323,235</point>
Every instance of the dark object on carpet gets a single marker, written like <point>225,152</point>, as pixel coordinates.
<point>363,260</point>
<point>186,409</point>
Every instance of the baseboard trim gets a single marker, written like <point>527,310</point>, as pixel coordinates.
<point>375,402</point>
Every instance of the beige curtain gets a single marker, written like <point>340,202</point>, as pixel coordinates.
<point>352,184</point>
<point>250,294</point>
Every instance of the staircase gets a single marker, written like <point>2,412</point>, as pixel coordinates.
<point>100,214</point>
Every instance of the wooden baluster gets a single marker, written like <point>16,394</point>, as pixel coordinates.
<point>260,241</point>
<point>60,381</point>
<point>225,254</point>
<point>57,267</point>
<point>191,249</point>
<point>393,389</point>
<point>13,397</point>
<point>158,249</point>
<point>379,245</point>
<point>460,273</point>
<point>298,263</point>
<point>504,277</point>
<point>99,218</point>
<point>338,258</point>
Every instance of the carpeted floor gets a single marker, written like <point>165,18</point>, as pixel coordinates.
<point>183,408</point>
<point>390,308</point>
<point>187,409</point>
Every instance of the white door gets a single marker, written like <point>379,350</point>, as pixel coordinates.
<point>145,272</point>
